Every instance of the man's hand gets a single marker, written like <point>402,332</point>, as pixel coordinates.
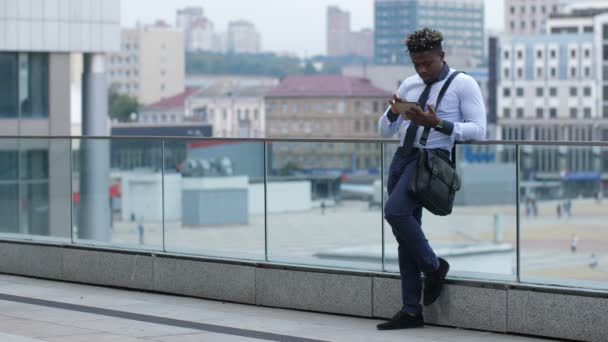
<point>391,102</point>
<point>426,119</point>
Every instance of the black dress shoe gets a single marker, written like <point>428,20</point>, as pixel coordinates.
<point>433,282</point>
<point>402,320</point>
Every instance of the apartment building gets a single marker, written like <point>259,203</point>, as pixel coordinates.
<point>151,63</point>
<point>327,106</point>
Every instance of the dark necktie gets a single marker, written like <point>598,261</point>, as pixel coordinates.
<point>412,129</point>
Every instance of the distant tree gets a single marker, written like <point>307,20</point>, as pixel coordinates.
<point>289,169</point>
<point>309,69</point>
<point>121,106</point>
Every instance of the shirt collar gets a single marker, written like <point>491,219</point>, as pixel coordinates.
<point>443,74</point>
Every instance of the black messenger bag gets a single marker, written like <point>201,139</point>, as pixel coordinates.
<point>435,180</point>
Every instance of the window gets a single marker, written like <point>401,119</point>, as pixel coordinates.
<point>539,72</point>
<point>587,53</point>
<point>512,9</point>
<point>506,92</point>
<point>553,72</point>
<point>520,92</point>
<point>553,91</point>
<point>506,73</point>
<point>573,72</point>
<point>587,71</point>
<point>24,90</point>
<point>520,72</point>
<point>520,113</point>
<point>573,91</point>
<point>573,113</point>
<point>523,24</point>
<point>587,112</point>
<point>539,91</point>
<point>506,113</point>
<point>506,54</point>
<point>553,113</point>
<point>573,53</point>
<point>553,53</point>
<point>587,91</point>
<point>539,54</point>
<point>539,113</point>
<point>520,55</point>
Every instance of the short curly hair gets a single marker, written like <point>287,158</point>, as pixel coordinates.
<point>424,39</point>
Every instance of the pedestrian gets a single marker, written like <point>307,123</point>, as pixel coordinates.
<point>461,116</point>
<point>593,261</point>
<point>573,243</point>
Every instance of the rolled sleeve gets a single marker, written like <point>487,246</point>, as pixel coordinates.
<point>473,109</point>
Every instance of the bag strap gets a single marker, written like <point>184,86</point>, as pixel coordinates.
<point>446,85</point>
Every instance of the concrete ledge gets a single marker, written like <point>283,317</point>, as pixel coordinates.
<point>233,283</point>
<point>344,294</point>
<point>458,306</point>
<point>31,260</point>
<point>553,312</point>
<point>556,315</point>
<point>107,268</point>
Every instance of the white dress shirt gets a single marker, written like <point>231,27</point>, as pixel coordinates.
<point>462,105</point>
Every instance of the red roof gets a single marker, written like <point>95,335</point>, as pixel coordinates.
<point>174,101</point>
<point>326,86</point>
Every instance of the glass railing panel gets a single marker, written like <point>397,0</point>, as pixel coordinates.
<point>34,189</point>
<point>117,193</point>
<point>324,204</point>
<point>479,238</point>
<point>214,198</point>
<point>564,237</point>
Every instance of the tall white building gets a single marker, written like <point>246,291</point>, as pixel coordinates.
<point>150,65</point>
<point>242,37</point>
<point>551,87</point>
<point>526,17</point>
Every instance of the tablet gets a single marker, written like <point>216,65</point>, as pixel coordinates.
<point>402,107</point>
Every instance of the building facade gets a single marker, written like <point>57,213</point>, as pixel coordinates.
<point>150,65</point>
<point>243,37</point>
<point>325,106</point>
<point>341,41</point>
<point>552,88</point>
<point>338,31</point>
<point>461,22</point>
<point>232,110</point>
<point>37,45</point>
<point>527,17</point>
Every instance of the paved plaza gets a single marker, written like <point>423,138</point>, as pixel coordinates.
<point>33,310</point>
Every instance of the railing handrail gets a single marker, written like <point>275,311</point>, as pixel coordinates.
<point>328,140</point>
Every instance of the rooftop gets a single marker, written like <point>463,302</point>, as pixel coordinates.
<point>172,102</point>
<point>326,86</point>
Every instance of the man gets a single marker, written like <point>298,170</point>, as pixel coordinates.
<point>460,116</point>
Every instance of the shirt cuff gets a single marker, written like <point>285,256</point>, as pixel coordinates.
<point>447,129</point>
<point>392,117</point>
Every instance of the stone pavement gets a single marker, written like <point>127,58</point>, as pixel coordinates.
<point>39,310</point>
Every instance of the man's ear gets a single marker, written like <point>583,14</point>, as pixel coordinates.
<point>442,55</point>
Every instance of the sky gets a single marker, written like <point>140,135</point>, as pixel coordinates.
<point>285,25</point>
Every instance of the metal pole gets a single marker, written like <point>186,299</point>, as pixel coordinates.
<point>517,217</point>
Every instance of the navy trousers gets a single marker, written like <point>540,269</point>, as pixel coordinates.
<point>404,215</point>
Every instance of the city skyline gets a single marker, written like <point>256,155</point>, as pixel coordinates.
<point>280,33</point>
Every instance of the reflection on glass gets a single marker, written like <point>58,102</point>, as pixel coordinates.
<point>324,204</point>
<point>563,233</point>
<point>214,198</point>
<point>34,195</point>
<point>479,238</point>
<point>8,86</point>
<point>117,193</point>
